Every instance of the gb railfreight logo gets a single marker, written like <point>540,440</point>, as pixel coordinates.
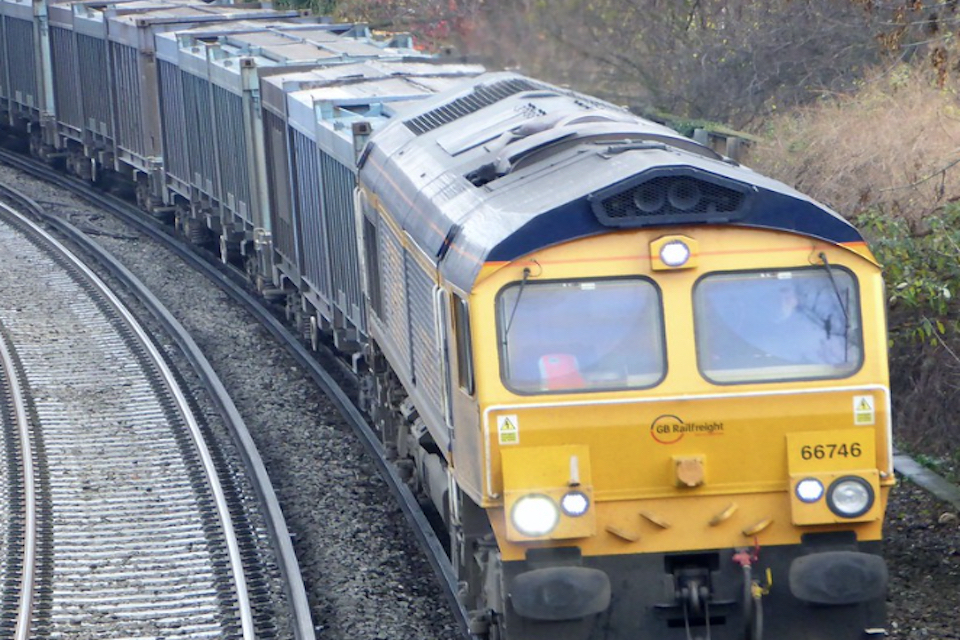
<point>668,429</point>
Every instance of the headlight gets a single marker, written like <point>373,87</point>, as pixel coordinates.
<point>850,497</point>
<point>674,254</point>
<point>535,515</point>
<point>575,503</point>
<point>809,490</point>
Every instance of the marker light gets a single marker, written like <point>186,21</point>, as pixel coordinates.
<point>674,254</point>
<point>535,515</point>
<point>575,503</point>
<point>809,490</point>
<point>850,497</point>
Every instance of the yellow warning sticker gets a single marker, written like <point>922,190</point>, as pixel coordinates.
<point>863,410</point>
<point>508,428</point>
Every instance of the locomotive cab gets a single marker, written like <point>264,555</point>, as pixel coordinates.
<point>686,429</point>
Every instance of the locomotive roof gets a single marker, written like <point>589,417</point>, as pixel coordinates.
<point>506,165</point>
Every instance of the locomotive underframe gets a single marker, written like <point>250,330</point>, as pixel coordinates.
<point>648,595</point>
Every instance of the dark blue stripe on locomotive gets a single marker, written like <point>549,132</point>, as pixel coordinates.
<point>768,210</point>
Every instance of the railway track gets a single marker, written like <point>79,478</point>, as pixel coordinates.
<point>120,518</point>
<point>328,380</point>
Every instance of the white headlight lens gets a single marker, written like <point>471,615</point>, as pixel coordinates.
<point>535,515</point>
<point>674,254</point>
<point>850,497</point>
<point>575,503</point>
<point>809,490</point>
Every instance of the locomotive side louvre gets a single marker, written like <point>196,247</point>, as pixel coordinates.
<point>691,465</point>
<point>394,338</point>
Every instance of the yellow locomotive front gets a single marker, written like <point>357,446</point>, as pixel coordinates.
<point>686,434</point>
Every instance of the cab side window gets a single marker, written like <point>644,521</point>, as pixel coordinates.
<point>461,325</point>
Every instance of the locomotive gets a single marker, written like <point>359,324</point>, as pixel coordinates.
<point>644,387</point>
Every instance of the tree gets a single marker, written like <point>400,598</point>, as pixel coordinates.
<point>734,61</point>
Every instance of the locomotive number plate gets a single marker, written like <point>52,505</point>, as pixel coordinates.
<point>840,450</point>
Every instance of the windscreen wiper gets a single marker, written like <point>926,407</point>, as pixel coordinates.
<point>516,303</point>
<point>836,290</point>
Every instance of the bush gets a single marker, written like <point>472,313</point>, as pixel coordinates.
<point>922,274</point>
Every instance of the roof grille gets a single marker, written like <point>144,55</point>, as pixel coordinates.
<point>481,96</point>
<point>671,199</point>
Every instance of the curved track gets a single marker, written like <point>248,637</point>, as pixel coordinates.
<point>19,515</point>
<point>125,523</point>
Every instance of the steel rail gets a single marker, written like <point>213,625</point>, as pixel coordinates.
<point>25,609</point>
<point>223,509</point>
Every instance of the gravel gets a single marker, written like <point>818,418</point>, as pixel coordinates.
<point>922,546</point>
<point>366,578</point>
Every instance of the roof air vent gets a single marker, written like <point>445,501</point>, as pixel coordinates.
<point>481,96</point>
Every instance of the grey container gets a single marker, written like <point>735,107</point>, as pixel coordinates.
<point>326,115</point>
